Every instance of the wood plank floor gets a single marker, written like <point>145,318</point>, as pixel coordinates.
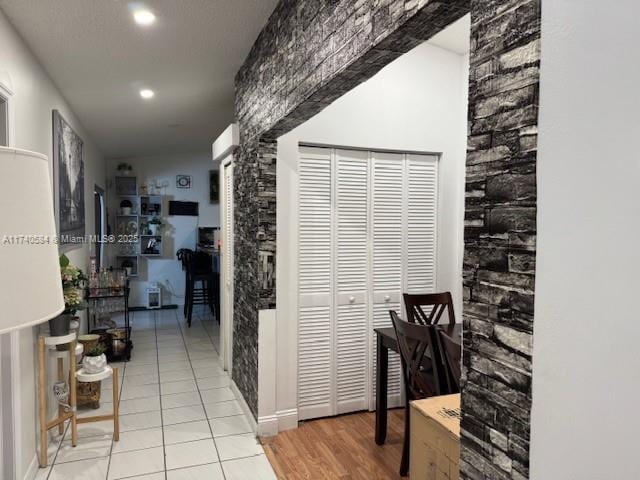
<point>338,448</point>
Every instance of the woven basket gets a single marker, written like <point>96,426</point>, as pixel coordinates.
<point>88,393</point>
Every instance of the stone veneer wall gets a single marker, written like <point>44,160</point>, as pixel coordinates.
<point>500,238</point>
<point>310,53</point>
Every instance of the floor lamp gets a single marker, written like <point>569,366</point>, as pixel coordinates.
<point>30,286</point>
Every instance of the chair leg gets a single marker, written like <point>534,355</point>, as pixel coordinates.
<point>187,295</point>
<point>190,307</point>
<point>406,445</point>
<point>210,285</point>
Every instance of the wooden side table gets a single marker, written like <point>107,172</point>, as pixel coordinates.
<point>49,343</point>
<point>97,377</point>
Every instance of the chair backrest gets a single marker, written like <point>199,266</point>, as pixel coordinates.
<point>199,263</point>
<point>414,340</point>
<point>453,356</point>
<point>439,302</point>
<point>183,256</point>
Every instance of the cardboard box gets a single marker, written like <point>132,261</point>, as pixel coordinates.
<point>435,438</point>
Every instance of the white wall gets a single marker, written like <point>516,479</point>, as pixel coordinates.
<point>34,98</point>
<point>585,388</point>
<point>179,231</point>
<point>419,103</point>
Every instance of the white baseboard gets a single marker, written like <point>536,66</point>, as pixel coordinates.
<point>32,469</point>
<point>271,425</point>
<point>245,406</point>
<point>287,419</point>
<point>268,426</point>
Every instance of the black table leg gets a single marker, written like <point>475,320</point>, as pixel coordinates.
<point>382,367</point>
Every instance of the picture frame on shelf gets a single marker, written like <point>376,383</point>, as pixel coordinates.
<point>126,186</point>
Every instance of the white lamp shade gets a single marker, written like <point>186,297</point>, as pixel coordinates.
<point>30,285</point>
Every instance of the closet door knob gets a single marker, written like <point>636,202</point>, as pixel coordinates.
<point>352,299</point>
<point>387,298</point>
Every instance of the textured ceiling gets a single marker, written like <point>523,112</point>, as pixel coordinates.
<point>99,58</point>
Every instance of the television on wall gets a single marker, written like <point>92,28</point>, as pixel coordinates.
<point>183,208</point>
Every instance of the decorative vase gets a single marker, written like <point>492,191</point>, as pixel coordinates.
<point>59,326</point>
<point>94,364</point>
<point>126,210</point>
<point>88,341</point>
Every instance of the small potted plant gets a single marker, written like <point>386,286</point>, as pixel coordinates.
<point>124,168</point>
<point>72,280</point>
<point>126,206</point>
<point>95,360</point>
<point>154,225</point>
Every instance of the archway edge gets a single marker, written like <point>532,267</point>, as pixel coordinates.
<point>311,53</point>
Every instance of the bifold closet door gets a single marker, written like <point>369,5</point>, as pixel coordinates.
<point>315,257</point>
<point>367,233</point>
<point>421,234</point>
<point>352,280</point>
<point>387,258</point>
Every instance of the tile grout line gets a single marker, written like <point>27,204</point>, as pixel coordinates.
<point>215,445</point>
<point>120,386</point>
<point>164,448</point>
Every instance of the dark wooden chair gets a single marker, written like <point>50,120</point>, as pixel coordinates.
<point>453,356</point>
<point>437,303</point>
<point>421,380</point>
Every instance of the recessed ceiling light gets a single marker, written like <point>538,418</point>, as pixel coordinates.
<point>144,17</point>
<point>146,93</point>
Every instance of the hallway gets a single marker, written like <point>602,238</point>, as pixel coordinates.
<point>179,419</point>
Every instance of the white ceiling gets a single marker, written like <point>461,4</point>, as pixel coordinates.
<point>100,59</point>
<point>456,37</point>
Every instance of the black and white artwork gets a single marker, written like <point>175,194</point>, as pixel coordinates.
<point>183,181</point>
<point>214,186</point>
<point>68,159</point>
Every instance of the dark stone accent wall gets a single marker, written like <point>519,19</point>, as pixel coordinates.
<point>254,257</point>
<point>310,53</point>
<point>246,273</point>
<point>267,154</point>
<point>500,238</point>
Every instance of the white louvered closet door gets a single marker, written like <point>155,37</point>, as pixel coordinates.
<point>387,258</point>
<point>352,263</point>
<point>367,233</point>
<point>421,212</point>
<point>315,323</point>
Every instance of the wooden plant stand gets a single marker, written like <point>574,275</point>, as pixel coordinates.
<point>115,415</point>
<point>47,343</point>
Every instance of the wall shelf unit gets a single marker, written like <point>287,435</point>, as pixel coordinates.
<point>131,261</point>
<point>134,212</point>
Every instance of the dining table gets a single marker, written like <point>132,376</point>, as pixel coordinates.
<point>385,341</point>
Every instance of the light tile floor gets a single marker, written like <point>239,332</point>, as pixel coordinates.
<point>179,418</point>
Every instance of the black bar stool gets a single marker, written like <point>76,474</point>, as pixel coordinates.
<point>201,283</point>
<point>183,257</point>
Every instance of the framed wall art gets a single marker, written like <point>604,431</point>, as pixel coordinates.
<point>68,160</point>
<point>183,181</point>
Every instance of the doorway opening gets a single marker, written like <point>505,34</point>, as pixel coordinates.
<point>4,121</point>
<point>100,220</point>
<point>367,211</point>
